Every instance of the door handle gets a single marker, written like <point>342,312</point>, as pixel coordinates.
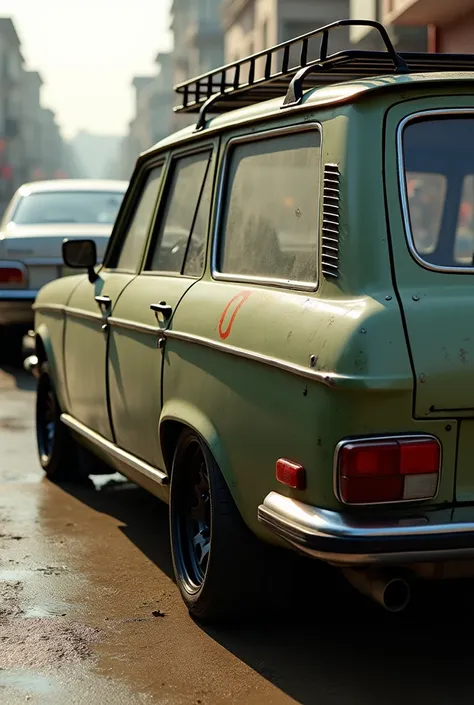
<point>104,302</point>
<point>162,309</point>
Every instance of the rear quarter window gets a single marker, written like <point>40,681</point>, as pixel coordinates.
<point>271,216</point>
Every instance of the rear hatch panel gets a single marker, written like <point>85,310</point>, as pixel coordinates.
<point>436,295</point>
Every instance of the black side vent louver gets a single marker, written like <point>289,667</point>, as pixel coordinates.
<point>330,238</point>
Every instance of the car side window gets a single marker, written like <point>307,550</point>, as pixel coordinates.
<point>139,225</point>
<point>270,227</point>
<point>186,186</point>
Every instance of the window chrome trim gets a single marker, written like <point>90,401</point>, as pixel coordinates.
<point>378,439</point>
<point>114,451</point>
<point>131,325</point>
<point>220,200</point>
<point>175,275</point>
<point>403,190</point>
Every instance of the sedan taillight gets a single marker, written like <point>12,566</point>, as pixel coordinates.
<point>12,275</point>
<point>392,470</point>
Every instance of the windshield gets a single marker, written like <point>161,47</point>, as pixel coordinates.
<point>439,180</point>
<point>88,207</point>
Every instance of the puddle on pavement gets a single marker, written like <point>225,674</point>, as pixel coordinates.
<point>47,612</point>
<point>27,682</point>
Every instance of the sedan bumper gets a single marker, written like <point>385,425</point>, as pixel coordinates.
<point>350,540</point>
<point>16,306</point>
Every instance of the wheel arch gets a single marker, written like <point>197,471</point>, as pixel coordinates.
<point>178,415</point>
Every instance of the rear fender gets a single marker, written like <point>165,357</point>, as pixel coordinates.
<point>181,412</point>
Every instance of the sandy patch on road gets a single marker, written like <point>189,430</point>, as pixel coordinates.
<point>36,642</point>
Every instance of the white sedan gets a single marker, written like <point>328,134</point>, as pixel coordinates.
<point>39,217</point>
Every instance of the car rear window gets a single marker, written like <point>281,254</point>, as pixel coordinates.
<point>439,189</point>
<point>86,207</point>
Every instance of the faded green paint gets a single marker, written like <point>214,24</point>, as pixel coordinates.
<point>86,372</point>
<point>298,371</point>
<point>134,365</point>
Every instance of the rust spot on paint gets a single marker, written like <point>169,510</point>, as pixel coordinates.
<point>234,305</point>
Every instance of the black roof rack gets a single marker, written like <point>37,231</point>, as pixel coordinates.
<point>239,84</point>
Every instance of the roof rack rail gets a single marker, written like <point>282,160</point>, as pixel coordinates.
<point>239,84</point>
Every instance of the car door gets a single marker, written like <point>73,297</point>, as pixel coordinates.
<point>90,306</point>
<point>175,261</point>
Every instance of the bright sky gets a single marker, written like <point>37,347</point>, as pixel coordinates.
<point>87,52</point>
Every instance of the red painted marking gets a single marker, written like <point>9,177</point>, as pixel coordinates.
<point>242,298</point>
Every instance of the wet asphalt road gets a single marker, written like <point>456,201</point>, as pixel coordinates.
<point>89,612</point>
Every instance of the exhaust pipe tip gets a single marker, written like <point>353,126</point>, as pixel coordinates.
<point>396,595</point>
<point>391,591</point>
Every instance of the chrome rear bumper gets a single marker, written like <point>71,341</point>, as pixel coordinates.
<point>355,540</point>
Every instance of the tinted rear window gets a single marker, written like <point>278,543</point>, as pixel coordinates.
<point>439,180</point>
<point>91,207</point>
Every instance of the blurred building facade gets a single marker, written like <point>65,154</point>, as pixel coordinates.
<point>450,23</point>
<point>254,25</point>
<point>153,116</point>
<point>405,38</point>
<point>31,146</point>
<point>198,47</point>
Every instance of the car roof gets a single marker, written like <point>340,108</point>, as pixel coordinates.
<point>73,185</point>
<point>327,95</point>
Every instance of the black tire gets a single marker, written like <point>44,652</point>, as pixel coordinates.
<point>58,451</point>
<point>219,564</point>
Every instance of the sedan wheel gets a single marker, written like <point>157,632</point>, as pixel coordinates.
<point>193,519</point>
<point>217,560</point>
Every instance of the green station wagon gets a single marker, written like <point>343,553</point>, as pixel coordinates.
<point>278,342</point>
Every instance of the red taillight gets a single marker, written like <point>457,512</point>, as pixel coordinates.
<point>397,470</point>
<point>11,275</point>
<point>291,474</point>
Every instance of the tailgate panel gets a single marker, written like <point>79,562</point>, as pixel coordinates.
<point>440,327</point>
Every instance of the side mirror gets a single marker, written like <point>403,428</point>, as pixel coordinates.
<point>81,254</point>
